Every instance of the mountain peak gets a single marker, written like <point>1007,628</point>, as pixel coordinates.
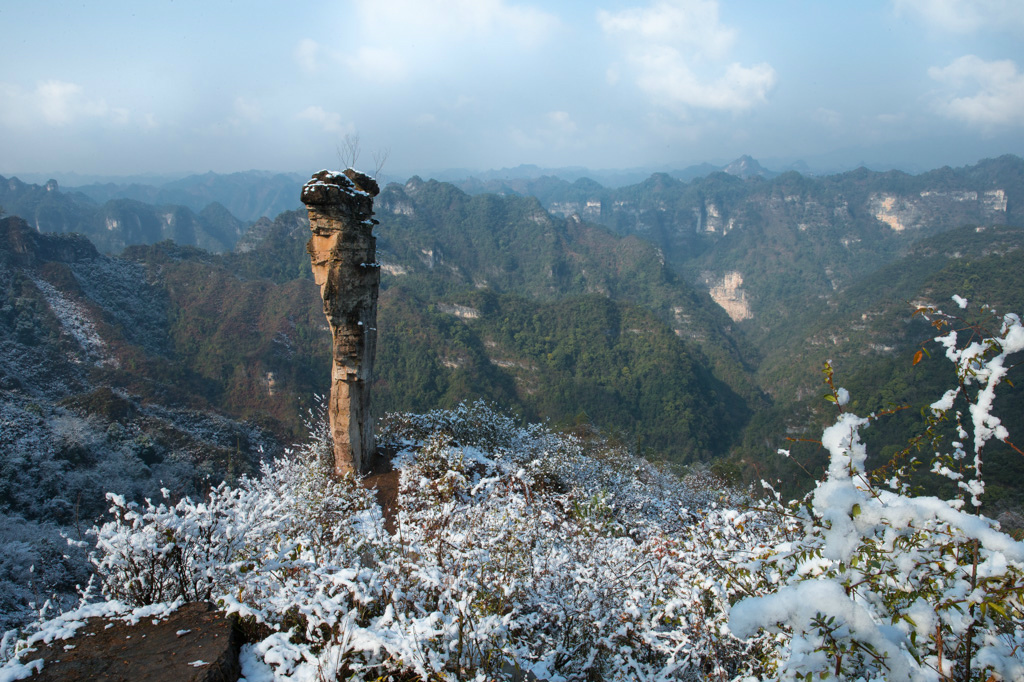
<point>746,167</point>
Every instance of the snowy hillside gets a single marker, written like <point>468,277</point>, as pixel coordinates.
<point>83,411</point>
<point>521,553</point>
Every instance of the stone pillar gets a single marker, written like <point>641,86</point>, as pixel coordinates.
<point>343,253</point>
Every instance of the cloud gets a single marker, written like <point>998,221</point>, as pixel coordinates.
<point>463,101</point>
<point>247,110</point>
<point>691,23</point>
<point>981,93</point>
<point>555,131</point>
<point>329,121</point>
<point>891,119</point>
<point>561,121</point>
<point>665,73</point>
<point>308,54</point>
<point>120,115</point>
<point>379,64</point>
<point>829,118</point>
<point>58,101</point>
<point>677,50</point>
<point>965,16</point>
<point>56,104</point>
<point>369,63</point>
<point>397,38</point>
<point>446,20</point>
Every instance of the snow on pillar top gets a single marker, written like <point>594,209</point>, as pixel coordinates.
<point>349,194</point>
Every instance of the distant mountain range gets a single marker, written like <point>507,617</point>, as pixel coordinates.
<point>213,211</point>
<point>521,177</point>
<point>686,317</point>
<point>771,248</point>
<point>728,273</point>
<point>118,223</point>
<point>251,195</point>
<point>248,196</point>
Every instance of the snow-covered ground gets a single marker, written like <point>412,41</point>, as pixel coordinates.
<point>76,322</point>
<point>521,553</point>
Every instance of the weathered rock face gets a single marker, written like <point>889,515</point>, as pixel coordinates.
<point>343,253</point>
<point>726,292</point>
<point>196,643</point>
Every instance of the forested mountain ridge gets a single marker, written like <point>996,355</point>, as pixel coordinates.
<point>475,291</point>
<point>120,222</point>
<point>765,246</point>
<point>544,183</point>
<point>768,248</point>
<point>511,244</point>
<point>85,331</point>
<point>252,348</point>
<point>249,196</point>
<point>461,271</point>
<point>871,334</point>
<point>91,401</point>
<point>138,369</point>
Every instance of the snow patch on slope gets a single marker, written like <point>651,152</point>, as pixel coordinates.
<point>76,322</point>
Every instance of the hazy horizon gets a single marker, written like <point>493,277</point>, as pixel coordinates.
<point>609,177</point>
<point>170,89</point>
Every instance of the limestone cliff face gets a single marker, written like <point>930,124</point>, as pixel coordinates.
<point>343,254</point>
<point>726,291</point>
<point>588,209</point>
<point>913,211</point>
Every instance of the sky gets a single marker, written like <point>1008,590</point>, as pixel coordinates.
<point>172,87</point>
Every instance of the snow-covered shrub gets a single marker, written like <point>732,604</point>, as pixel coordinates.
<point>521,553</point>
<point>515,550</point>
<point>553,555</point>
<point>880,584</point>
<point>286,532</point>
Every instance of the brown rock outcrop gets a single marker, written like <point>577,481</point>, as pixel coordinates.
<point>196,643</point>
<point>343,253</point>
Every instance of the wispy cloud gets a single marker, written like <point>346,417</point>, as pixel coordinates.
<point>247,110</point>
<point>553,132</point>
<point>308,55</point>
<point>981,93</point>
<point>677,52</point>
<point>828,118</point>
<point>54,103</point>
<point>561,121</point>
<point>965,16</point>
<point>329,121</point>
<point>446,20</point>
<point>378,64</point>
<point>61,103</point>
<point>396,39</point>
<point>689,23</point>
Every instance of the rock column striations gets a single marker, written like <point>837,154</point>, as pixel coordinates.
<point>343,253</point>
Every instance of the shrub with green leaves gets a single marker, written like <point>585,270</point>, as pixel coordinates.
<point>882,584</point>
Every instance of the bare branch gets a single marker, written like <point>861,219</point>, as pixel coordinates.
<point>348,151</point>
<point>380,157</point>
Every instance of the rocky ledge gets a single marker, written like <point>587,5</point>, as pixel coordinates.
<point>196,643</point>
